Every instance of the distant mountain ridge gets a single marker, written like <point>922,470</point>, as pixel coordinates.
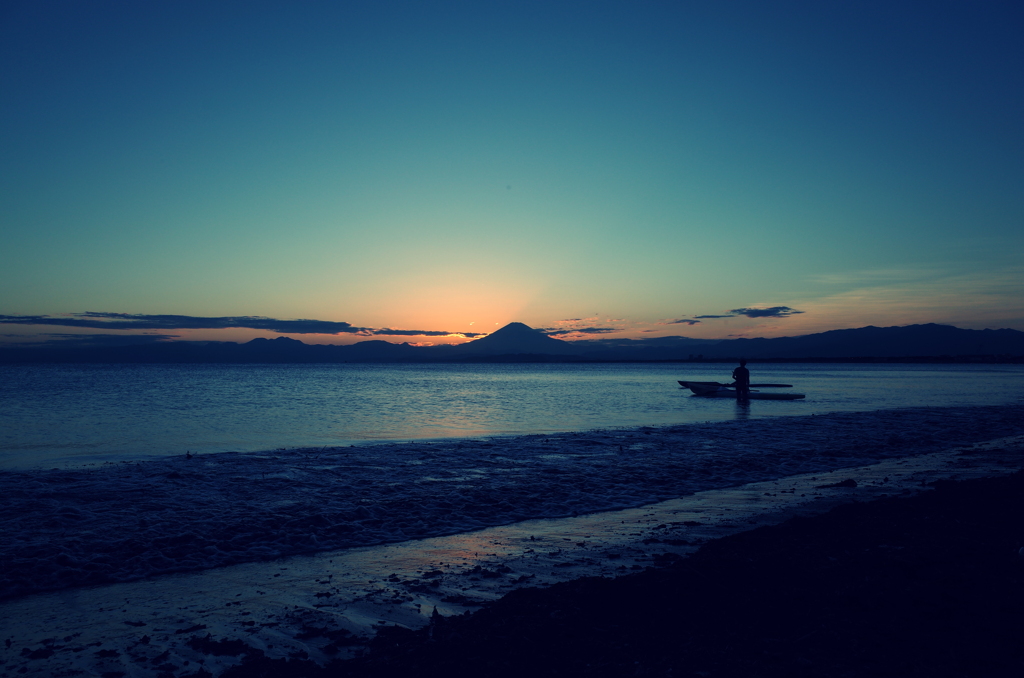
<point>864,342</point>
<point>911,340</point>
<point>519,342</point>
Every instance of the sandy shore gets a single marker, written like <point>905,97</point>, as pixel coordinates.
<point>307,614</point>
<point>931,585</point>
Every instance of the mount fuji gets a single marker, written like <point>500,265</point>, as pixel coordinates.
<point>517,338</point>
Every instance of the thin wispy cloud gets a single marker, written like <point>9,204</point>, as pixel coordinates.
<point>882,276</point>
<point>992,299</point>
<point>82,340</point>
<point>579,327</point>
<point>558,332</point>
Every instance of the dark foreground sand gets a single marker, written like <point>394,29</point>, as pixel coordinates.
<point>931,585</point>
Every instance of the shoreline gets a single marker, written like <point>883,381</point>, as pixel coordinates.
<point>306,607</point>
<point>927,585</point>
<point>125,522</point>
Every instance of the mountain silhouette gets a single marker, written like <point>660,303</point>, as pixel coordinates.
<point>517,342</point>
<point>879,342</point>
<point>517,338</point>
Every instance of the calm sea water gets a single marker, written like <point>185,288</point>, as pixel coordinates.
<point>52,415</point>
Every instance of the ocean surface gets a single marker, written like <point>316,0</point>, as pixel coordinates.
<point>75,415</point>
<point>96,486</point>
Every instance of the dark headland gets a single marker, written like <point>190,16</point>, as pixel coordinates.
<point>517,342</point>
<point>931,585</point>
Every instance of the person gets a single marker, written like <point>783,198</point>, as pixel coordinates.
<point>741,375</point>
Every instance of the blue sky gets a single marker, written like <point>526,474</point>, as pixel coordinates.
<point>451,167</point>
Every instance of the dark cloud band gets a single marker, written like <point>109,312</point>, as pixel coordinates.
<point>138,321</point>
<point>773,312</point>
<point>421,333</point>
<point>133,321</point>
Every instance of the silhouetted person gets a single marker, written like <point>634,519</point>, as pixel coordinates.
<point>741,375</point>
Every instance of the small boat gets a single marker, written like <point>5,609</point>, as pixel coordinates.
<point>713,389</point>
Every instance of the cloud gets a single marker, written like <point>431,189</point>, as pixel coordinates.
<point>875,277</point>
<point>82,340</point>
<point>424,333</point>
<point>773,312</point>
<point>570,327</point>
<point>556,332</point>
<point>993,298</point>
<point>25,320</point>
<point>683,321</point>
<point>138,321</point>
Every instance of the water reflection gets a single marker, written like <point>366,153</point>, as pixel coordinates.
<point>54,414</point>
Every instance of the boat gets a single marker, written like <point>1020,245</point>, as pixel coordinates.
<point>713,389</point>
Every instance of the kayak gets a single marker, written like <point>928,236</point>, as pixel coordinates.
<point>712,389</point>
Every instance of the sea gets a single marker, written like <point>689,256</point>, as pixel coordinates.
<point>78,415</point>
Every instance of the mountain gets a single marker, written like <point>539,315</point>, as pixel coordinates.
<point>516,338</point>
<point>909,341</point>
<point>517,342</point>
<point>260,350</point>
<point>884,342</point>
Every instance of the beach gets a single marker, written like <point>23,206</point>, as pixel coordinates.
<point>931,585</point>
<point>610,504</point>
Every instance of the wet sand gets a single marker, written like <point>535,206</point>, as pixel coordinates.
<point>297,615</point>
<point>931,585</point>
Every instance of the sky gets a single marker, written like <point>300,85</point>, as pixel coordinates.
<point>428,172</point>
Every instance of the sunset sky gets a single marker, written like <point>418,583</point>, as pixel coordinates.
<point>400,171</point>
